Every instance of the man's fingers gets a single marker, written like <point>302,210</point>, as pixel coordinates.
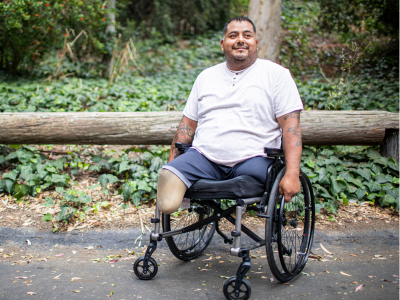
<point>288,197</point>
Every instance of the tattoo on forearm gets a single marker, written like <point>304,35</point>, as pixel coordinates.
<point>295,131</point>
<point>295,114</point>
<point>184,134</point>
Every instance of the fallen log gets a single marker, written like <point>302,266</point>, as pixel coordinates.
<point>158,128</point>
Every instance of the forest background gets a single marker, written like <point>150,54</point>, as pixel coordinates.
<point>144,55</point>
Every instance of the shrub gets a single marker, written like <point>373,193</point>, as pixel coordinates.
<point>29,29</point>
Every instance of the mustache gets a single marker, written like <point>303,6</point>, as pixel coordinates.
<point>240,46</point>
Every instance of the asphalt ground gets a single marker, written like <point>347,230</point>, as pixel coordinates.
<point>359,258</point>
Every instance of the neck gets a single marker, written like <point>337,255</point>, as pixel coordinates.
<point>238,65</point>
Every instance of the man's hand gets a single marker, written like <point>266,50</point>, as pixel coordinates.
<point>289,186</point>
<point>292,146</point>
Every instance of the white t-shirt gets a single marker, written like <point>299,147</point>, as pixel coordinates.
<point>237,111</point>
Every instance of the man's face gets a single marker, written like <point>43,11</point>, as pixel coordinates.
<point>240,42</point>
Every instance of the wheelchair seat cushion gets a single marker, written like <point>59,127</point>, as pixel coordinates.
<point>241,187</point>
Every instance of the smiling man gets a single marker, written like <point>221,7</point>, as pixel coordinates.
<point>234,110</point>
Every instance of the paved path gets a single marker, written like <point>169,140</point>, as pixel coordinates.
<point>355,254</point>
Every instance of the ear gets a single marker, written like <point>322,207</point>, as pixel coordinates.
<point>222,45</point>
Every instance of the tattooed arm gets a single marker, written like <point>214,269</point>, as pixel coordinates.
<point>292,146</point>
<point>184,134</point>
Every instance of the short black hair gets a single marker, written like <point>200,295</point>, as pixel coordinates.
<point>238,19</point>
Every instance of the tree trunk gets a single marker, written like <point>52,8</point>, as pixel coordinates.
<point>158,128</point>
<point>266,16</point>
<point>390,145</point>
<point>110,32</point>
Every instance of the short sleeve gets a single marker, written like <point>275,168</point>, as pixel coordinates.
<point>191,108</point>
<point>286,95</point>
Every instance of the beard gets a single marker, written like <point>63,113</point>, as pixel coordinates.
<point>239,56</point>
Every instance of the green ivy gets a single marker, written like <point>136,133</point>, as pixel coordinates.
<point>346,173</point>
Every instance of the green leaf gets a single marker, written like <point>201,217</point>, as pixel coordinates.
<point>136,197</point>
<point>324,191</point>
<point>393,165</point>
<point>83,199</point>
<point>47,217</point>
<point>49,202</point>
<point>15,146</point>
<point>59,189</point>
<point>96,168</point>
<point>124,166</point>
<point>65,213</point>
<point>337,186</point>
<point>373,154</point>
<point>125,206</point>
<point>103,180</point>
<point>11,175</point>
<point>334,160</point>
<point>11,156</point>
<point>346,175</point>
<point>377,169</point>
<point>381,161</point>
<point>324,177</point>
<point>387,200</point>
<point>24,156</point>
<point>395,180</point>
<point>7,184</point>
<point>360,193</point>
<point>56,178</point>
<point>372,186</point>
<point>156,164</point>
<point>311,164</point>
<point>331,170</point>
<point>355,182</point>
<point>144,186</point>
<point>20,190</point>
<point>112,179</point>
<point>365,173</point>
<point>59,163</point>
<point>343,198</point>
<point>127,190</point>
<point>383,178</point>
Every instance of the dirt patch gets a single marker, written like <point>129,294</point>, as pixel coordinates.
<point>349,218</point>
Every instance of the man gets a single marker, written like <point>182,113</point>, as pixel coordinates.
<point>234,110</point>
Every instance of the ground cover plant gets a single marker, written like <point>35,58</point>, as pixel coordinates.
<point>341,174</point>
<point>159,78</point>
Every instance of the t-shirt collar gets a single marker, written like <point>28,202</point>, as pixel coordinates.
<point>241,71</point>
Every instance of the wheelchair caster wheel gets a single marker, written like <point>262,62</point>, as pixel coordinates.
<point>145,273</point>
<point>244,289</point>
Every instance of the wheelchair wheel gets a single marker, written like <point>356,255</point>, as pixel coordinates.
<point>189,245</point>
<point>149,272</point>
<point>296,221</point>
<point>244,290</point>
<point>289,230</point>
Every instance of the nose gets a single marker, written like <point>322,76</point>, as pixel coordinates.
<point>241,38</point>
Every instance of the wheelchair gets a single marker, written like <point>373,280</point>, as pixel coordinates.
<point>289,227</point>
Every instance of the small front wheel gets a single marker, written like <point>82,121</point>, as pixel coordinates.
<point>145,273</point>
<point>243,293</point>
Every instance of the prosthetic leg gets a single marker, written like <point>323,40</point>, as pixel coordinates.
<point>170,193</point>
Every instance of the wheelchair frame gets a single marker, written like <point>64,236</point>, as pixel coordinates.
<point>241,206</point>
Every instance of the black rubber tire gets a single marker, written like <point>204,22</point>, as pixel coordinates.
<point>138,268</point>
<point>271,232</point>
<point>229,289</point>
<point>296,221</point>
<point>189,245</point>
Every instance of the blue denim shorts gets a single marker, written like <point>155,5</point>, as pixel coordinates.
<point>192,166</point>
